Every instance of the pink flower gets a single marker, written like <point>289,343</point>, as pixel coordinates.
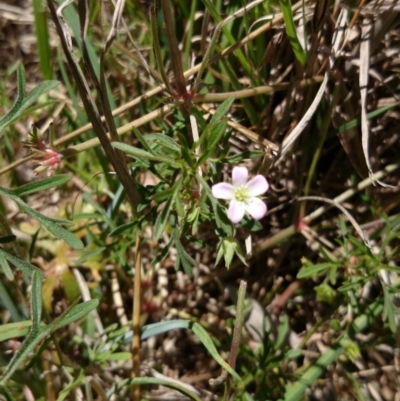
<point>47,160</point>
<point>243,195</point>
<point>45,157</point>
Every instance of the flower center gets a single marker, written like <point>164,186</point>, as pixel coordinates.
<point>241,194</point>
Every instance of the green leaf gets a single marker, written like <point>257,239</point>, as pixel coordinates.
<point>18,103</point>
<point>182,256</point>
<point>116,356</point>
<point>66,391</point>
<point>164,141</point>
<point>23,102</point>
<point>220,216</point>
<point>251,224</point>
<point>74,313</point>
<point>6,268</point>
<point>298,51</point>
<point>143,154</point>
<point>17,329</point>
<point>42,35</point>
<point>42,185</point>
<point>52,225</point>
<point>162,219</point>
<point>222,111</point>
<point>9,305</point>
<point>155,329</point>
<point>315,270</point>
<point>282,332</point>
<point>163,253</point>
<point>208,343</point>
<point>122,228</point>
<point>213,132</point>
<point>143,141</point>
<point>325,293</point>
<point>297,390</point>
<point>162,327</point>
<point>24,266</point>
<point>90,254</point>
<point>49,224</point>
<point>34,338</point>
<point>228,247</point>
<point>36,300</point>
<point>248,154</point>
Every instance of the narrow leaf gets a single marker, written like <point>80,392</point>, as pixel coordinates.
<point>36,300</point>
<point>34,338</point>
<point>42,185</point>
<point>18,103</point>
<point>208,343</point>
<point>6,268</point>
<point>75,313</point>
<point>14,330</point>
<point>143,154</point>
<point>24,266</point>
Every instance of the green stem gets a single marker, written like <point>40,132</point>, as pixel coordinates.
<point>237,331</point>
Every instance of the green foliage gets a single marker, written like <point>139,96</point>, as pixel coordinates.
<point>181,150</point>
<point>178,168</point>
<point>298,51</point>
<point>23,101</point>
<point>54,226</point>
<point>37,331</point>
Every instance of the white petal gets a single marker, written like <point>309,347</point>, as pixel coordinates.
<point>236,211</point>
<point>239,176</point>
<point>256,208</point>
<point>223,190</point>
<point>257,185</point>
